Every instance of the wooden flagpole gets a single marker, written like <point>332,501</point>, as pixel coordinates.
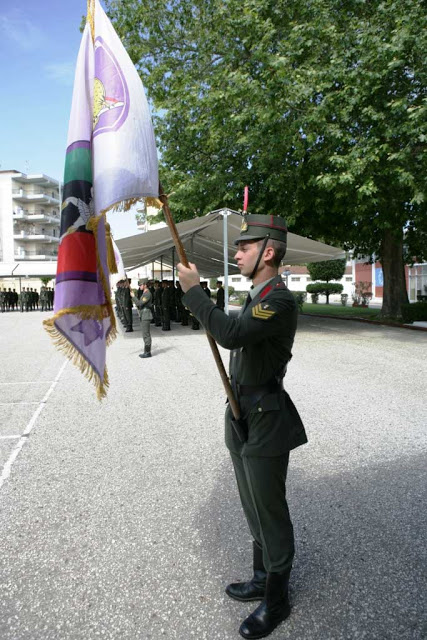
<point>183,258</point>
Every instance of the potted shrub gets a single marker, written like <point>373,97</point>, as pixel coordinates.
<point>361,295</point>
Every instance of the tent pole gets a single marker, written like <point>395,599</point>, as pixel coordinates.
<point>225,242</point>
<point>161,268</point>
<point>173,265</point>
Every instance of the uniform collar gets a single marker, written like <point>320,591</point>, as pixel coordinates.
<point>254,291</point>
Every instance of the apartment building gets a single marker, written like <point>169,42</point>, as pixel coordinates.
<point>29,224</point>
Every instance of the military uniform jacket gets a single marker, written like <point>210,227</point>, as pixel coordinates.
<point>144,305</point>
<point>126,300</point>
<point>220,298</point>
<point>166,298</point>
<point>260,341</point>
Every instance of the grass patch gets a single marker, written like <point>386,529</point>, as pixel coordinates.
<point>340,311</point>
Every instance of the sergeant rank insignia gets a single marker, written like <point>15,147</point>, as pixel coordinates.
<point>262,311</point>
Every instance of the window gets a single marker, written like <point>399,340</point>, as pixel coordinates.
<point>295,279</point>
<point>235,279</point>
<point>349,278</point>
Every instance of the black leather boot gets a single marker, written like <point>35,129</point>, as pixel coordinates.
<point>255,588</point>
<point>273,609</point>
<point>147,353</point>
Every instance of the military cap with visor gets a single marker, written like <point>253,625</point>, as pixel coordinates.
<point>259,227</point>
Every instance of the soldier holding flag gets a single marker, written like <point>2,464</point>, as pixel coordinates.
<point>260,341</point>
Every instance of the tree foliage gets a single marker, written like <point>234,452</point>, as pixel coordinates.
<point>327,270</point>
<point>325,289</point>
<point>320,106</point>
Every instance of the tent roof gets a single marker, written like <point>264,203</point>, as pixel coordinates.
<point>203,242</point>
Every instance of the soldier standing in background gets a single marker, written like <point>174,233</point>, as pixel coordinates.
<point>32,299</point>
<point>220,296</point>
<point>50,298</point>
<point>14,299</point>
<point>157,304</point>
<point>25,299</point>
<point>166,303</point>
<point>144,304</point>
<point>43,299</point>
<point>206,288</point>
<point>2,300</point>
<point>179,305</point>
<point>127,305</point>
<point>8,299</point>
<point>172,301</point>
<point>120,301</point>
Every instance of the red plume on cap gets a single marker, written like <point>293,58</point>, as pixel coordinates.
<point>246,200</point>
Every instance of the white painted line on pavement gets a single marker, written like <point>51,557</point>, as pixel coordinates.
<point>30,382</point>
<point>9,437</point>
<point>7,404</point>
<point>24,437</point>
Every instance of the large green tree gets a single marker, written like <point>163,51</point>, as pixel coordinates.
<point>320,106</point>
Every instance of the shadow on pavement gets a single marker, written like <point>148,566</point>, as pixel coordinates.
<point>360,549</point>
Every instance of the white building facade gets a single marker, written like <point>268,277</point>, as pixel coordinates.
<point>30,213</point>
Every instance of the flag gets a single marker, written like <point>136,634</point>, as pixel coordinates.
<point>111,159</point>
<point>121,274</point>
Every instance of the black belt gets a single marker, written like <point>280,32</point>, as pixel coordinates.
<point>255,390</point>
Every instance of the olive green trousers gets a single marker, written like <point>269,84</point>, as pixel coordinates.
<point>262,488</point>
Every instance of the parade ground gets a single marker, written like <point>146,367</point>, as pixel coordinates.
<point>121,520</point>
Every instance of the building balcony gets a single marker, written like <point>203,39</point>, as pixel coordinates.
<point>25,236</point>
<point>19,195</point>
<point>49,256</point>
<point>26,216</point>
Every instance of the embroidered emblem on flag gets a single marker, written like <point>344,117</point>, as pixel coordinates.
<point>262,312</point>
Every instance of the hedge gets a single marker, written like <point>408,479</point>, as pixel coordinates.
<point>324,288</point>
<point>416,312</point>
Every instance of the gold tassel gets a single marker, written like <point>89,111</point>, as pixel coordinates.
<point>153,202</point>
<point>111,258</point>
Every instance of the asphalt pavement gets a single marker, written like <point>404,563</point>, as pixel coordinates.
<point>121,519</point>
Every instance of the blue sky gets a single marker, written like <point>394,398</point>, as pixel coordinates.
<point>39,42</point>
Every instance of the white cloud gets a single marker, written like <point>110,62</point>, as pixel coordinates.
<point>61,72</point>
<point>16,27</point>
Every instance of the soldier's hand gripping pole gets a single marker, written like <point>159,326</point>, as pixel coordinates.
<point>238,423</point>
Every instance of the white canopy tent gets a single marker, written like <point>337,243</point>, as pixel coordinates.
<point>209,243</point>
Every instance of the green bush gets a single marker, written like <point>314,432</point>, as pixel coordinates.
<point>300,298</point>
<point>416,312</point>
<point>324,289</point>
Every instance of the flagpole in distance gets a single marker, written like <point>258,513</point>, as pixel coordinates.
<point>183,258</point>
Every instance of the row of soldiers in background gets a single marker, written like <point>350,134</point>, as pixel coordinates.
<point>167,303</point>
<point>28,300</point>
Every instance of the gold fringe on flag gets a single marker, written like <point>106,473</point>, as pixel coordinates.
<point>111,258</point>
<point>70,351</point>
<point>153,202</point>
<point>86,312</point>
<point>90,17</point>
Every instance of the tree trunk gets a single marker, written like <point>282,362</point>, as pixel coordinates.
<point>394,292</point>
